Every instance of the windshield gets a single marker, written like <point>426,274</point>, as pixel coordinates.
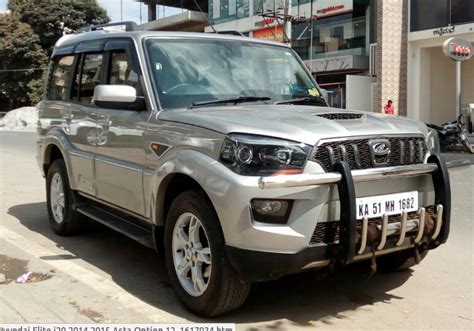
<point>193,71</point>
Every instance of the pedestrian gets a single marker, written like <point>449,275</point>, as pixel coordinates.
<point>389,108</point>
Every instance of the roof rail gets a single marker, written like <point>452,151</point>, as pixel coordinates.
<point>129,26</point>
<point>231,32</point>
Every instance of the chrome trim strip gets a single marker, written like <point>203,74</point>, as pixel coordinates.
<point>355,151</point>
<point>363,239</point>
<point>421,225</point>
<point>86,155</point>
<point>118,164</point>
<point>412,151</point>
<point>332,158</point>
<point>403,228</point>
<point>383,236</point>
<point>298,180</point>
<point>439,221</point>
<point>357,175</point>
<point>458,163</point>
<point>402,151</point>
<point>379,136</point>
<point>343,153</point>
<point>421,155</point>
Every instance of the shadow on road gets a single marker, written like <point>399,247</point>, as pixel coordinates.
<point>302,299</point>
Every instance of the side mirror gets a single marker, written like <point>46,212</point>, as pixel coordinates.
<point>118,97</point>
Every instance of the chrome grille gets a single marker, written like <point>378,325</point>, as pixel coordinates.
<point>328,232</point>
<point>403,151</point>
<point>340,116</point>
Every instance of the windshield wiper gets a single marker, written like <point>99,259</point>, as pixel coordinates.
<point>311,100</point>
<point>234,100</point>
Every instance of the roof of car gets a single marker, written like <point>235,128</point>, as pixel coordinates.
<point>72,39</point>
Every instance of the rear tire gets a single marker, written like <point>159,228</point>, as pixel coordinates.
<point>192,227</point>
<point>59,197</point>
<point>398,261</point>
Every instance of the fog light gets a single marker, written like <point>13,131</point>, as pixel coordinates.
<point>271,211</point>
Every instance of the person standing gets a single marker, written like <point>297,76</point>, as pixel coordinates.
<point>389,108</point>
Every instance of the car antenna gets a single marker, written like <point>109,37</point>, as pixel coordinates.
<point>205,16</point>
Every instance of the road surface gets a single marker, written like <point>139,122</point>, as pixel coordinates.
<point>103,276</point>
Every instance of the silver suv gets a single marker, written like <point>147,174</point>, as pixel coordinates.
<point>221,152</point>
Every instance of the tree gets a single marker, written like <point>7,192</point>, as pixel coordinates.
<point>50,19</point>
<point>22,62</point>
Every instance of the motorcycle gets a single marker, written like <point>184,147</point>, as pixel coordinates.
<point>452,136</point>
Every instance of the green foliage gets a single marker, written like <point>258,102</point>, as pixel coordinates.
<point>19,50</point>
<point>27,37</point>
<point>50,18</point>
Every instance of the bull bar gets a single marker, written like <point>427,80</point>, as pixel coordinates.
<point>345,178</point>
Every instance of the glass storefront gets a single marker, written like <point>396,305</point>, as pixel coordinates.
<point>221,11</point>
<point>432,14</point>
<point>339,35</point>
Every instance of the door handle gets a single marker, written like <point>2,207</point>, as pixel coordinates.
<point>104,121</point>
<point>67,116</point>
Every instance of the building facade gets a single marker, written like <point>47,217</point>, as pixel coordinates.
<point>364,52</point>
<point>430,74</point>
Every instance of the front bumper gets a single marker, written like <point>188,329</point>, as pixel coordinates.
<point>352,245</point>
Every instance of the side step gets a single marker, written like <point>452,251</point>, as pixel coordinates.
<point>142,235</point>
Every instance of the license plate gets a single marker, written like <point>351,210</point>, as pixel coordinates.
<point>390,204</point>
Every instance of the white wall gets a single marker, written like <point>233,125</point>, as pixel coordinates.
<point>359,92</point>
<point>431,76</point>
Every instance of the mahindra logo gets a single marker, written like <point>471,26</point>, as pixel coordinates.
<point>379,150</point>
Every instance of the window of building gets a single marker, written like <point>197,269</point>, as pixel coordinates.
<point>90,77</point>
<point>62,70</point>
<point>432,14</point>
<point>227,10</point>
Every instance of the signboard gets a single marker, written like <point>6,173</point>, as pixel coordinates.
<point>457,49</point>
<point>324,8</point>
<point>273,34</point>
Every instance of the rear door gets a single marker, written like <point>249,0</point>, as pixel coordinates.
<point>121,134</point>
<point>77,122</point>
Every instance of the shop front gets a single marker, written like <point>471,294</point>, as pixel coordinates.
<point>432,75</point>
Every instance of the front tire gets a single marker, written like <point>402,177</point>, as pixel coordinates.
<point>196,261</point>
<point>59,197</point>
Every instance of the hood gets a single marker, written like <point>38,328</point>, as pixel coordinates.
<point>305,124</point>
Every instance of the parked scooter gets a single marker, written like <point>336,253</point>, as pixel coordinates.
<point>452,136</point>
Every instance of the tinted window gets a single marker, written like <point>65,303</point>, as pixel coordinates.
<point>90,77</point>
<point>62,70</point>
<point>462,11</point>
<point>432,14</point>
<point>121,71</point>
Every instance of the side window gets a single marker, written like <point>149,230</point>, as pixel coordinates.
<point>90,77</point>
<point>62,70</point>
<point>120,70</point>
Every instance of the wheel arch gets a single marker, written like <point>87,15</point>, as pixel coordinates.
<point>51,153</point>
<point>171,186</point>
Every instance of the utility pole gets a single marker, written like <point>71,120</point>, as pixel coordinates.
<point>121,10</point>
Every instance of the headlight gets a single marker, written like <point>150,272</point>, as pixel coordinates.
<point>432,140</point>
<point>253,155</point>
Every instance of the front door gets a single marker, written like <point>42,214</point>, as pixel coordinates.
<point>120,135</point>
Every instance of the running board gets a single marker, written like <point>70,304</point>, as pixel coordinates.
<point>133,231</point>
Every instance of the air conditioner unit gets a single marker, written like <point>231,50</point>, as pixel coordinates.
<point>373,59</point>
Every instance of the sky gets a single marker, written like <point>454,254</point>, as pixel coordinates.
<point>130,10</point>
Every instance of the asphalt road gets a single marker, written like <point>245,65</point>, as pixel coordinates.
<point>103,276</point>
